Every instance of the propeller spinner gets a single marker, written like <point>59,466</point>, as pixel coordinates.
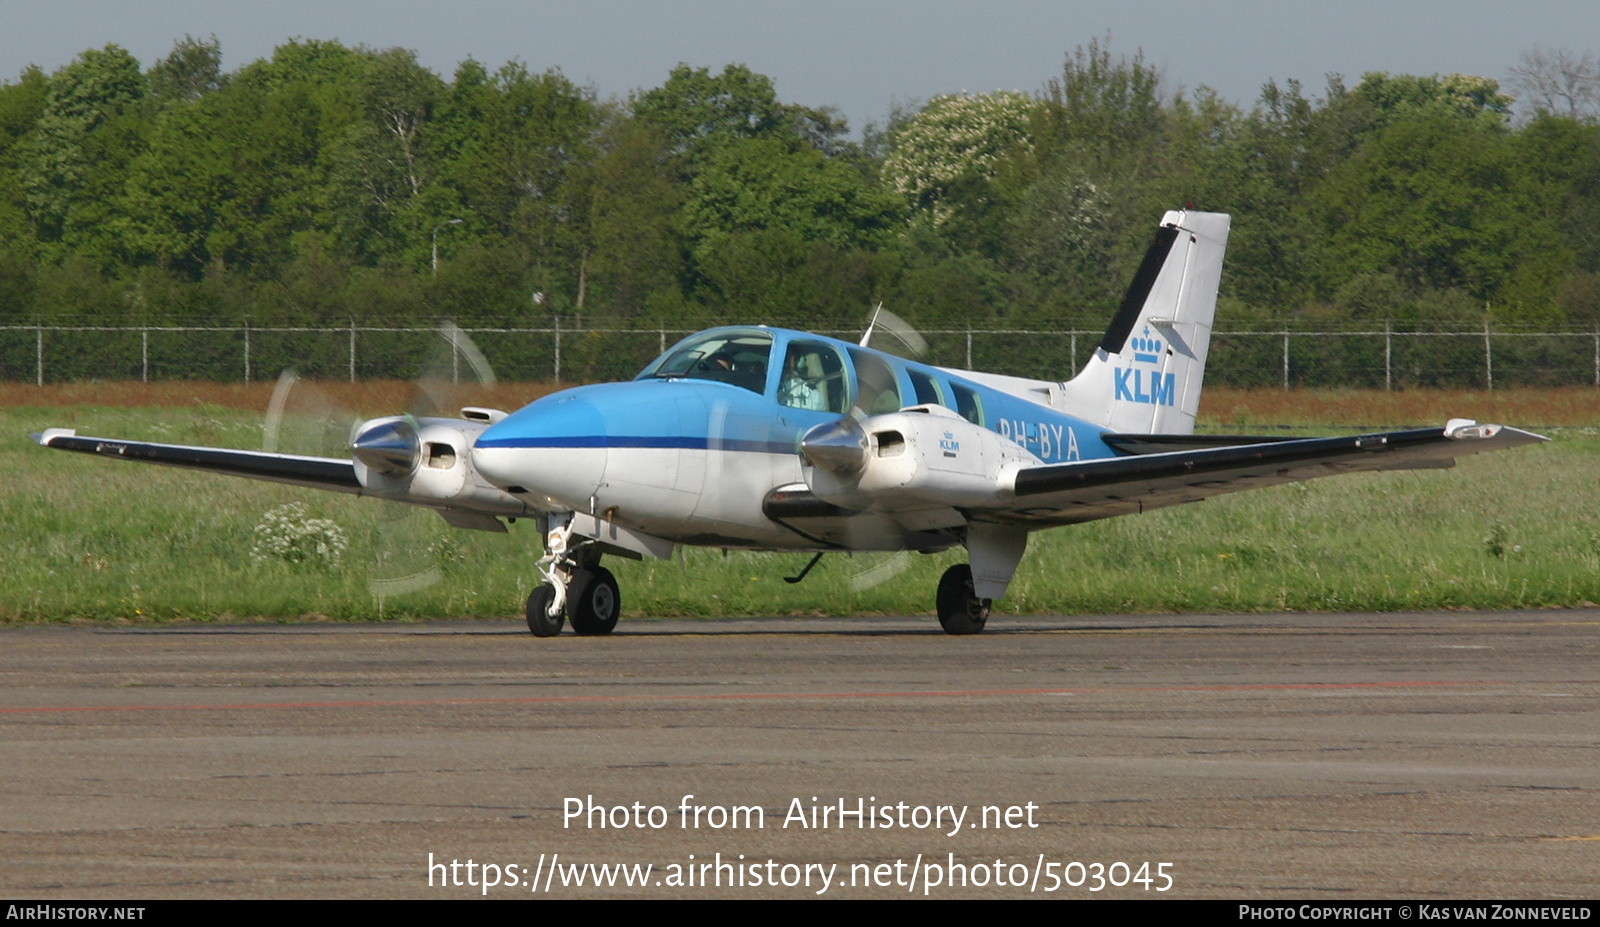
<point>390,448</point>
<point>838,447</point>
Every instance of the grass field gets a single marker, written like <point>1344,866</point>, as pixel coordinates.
<point>97,540</point>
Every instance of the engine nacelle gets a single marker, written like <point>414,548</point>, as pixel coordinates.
<point>925,454</point>
<point>429,460</point>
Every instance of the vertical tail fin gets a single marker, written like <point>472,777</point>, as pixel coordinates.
<point>1145,375</point>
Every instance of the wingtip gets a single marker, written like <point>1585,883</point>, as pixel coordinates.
<point>1464,429</point>
<point>50,434</point>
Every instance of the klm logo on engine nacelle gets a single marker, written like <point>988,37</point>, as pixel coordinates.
<point>1147,349</point>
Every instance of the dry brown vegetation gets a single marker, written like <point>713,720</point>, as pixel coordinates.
<point>1566,405</point>
<point>374,397</point>
<point>1232,409</point>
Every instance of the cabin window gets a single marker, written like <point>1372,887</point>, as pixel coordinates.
<point>926,388</point>
<point>968,406</point>
<point>813,378</point>
<point>877,387</point>
<point>736,357</point>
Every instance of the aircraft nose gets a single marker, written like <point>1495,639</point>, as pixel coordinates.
<point>552,453</point>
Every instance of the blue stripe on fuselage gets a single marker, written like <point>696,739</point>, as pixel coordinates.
<point>721,444</point>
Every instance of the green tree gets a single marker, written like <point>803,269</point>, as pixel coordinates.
<point>232,182</point>
<point>1264,172</point>
<point>1105,110</point>
<point>765,207</point>
<point>75,167</point>
<point>945,158</point>
<point>1406,96</point>
<point>696,112</point>
<point>383,168</point>
<point>21,105</point>
<point>1439,202</point>
<point>190,71</point>
<point>769,183</point>
<point>535,132</point>
<point>1560,158</point>
<point>1107,125</point>
<point>634,261</point>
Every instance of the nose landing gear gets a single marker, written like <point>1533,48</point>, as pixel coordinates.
<point>574,581</point>
<point>541,621</point>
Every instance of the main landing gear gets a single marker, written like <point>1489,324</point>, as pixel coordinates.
<point>960,609</point>
<point>576,586</point>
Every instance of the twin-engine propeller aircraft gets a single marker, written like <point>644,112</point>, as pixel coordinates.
<point>765,439</point>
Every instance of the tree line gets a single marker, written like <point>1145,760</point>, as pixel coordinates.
<point>331,184</point>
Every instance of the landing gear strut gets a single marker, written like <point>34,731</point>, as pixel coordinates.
<point>960,609</point>
<point>575,582</point>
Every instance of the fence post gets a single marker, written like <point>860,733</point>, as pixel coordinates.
<point>1597,357</point>
<point>1388,366</point>
<point>455,356</point>
<point>352,350</point>
<point>663,346</point>
<point>969,349</point>
<point>144,355</point>
<point>1488,359</point>
<point>1074,367</point>
<point>247,352</point>
<point>556,323</point>
<point>1286,360</point>
<point>38,355</point>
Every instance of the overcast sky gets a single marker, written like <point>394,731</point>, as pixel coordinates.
<point>859,56</point>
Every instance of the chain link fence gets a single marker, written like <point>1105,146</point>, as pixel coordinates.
<point>1481,358</point>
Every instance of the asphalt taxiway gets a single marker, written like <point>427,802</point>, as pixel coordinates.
<point>1429,755</point>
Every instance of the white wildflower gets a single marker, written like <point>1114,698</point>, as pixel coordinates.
<point>290,534</point>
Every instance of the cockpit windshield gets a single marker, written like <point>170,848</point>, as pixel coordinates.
<point>739,357</point>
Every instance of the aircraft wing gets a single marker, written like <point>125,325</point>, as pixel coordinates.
<point>1163,470</point>
<point>316,472</point>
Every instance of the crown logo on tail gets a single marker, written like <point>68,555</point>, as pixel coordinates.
<point>1147,348</point>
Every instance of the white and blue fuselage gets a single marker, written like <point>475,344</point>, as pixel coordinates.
<point>690,450</point>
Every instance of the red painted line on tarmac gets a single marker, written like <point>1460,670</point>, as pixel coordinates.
<point>748,696</point>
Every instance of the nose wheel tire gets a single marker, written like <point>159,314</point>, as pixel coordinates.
<point>596,602</point>
<point>540,621</point>
<point>960,609</point>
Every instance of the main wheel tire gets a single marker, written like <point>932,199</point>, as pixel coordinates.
<point>596,602</point>
<point>540,621</point>
<point>960,609</point>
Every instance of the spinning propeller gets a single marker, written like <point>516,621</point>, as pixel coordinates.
<point>304,419</point>
<point>842,448</point>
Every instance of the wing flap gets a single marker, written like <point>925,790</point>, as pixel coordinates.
<point>316,472</point>
<point>1093,489</point>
